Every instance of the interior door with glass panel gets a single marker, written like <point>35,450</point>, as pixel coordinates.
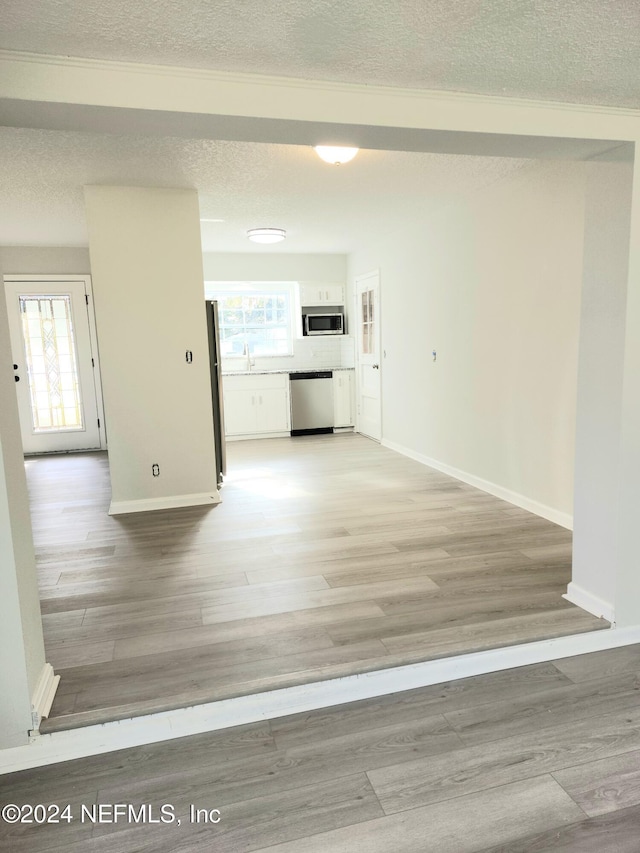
<point>368,355</point>
<point>53,365</point>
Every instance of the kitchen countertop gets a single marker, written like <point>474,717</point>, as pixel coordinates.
<point>261,372</point>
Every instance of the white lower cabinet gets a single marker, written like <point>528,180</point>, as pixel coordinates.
<point>256,404</point>
<point>343,398</point>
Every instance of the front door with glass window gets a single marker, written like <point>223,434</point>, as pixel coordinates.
<point>53,365</point>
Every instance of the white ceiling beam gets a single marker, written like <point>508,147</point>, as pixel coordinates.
<point>34,89</point>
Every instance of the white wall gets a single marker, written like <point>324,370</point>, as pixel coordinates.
<point>21,642</point>
<point>274,266</point>
<point>45,260</point>
<point>493,285</point>
<point>146,263</point>
<point>600,381</point>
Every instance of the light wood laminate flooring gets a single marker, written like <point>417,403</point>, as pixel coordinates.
<point>539,759</point>
<point>328,556</point>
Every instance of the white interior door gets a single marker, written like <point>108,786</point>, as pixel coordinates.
<point>368,355</point>
<point>53,362</point>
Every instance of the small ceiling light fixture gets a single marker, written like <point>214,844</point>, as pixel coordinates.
<point>266,235</point>
<point>335,155</point>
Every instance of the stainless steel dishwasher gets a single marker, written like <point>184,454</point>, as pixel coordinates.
<point>311,402</point>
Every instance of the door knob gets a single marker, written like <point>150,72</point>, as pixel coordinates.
<point>376,366</point>
<point>17,378</point>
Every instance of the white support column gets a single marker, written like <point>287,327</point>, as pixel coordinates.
<point>627,591</point>
<point>146,264</point>
<point>606,564</point>
<point>27,683</point>
<point>602,364</point>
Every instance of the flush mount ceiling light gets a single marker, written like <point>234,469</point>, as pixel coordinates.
<point>335,155</point>
<point>266,235</point>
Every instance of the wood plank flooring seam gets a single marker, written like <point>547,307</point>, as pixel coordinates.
<point>619,831</point>
<point>574,692</point>
<point>462,795</point>
<point>597,786</point>
<point>585,813</point>
<point>512,758</point>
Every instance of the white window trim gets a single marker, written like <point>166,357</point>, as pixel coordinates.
<point>213,288</point>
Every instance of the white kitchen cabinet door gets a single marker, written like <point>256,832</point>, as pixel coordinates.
<point>334,294</point>
<point>342,398</point>
<point>321,294</point>
<point>256,405</point>
<point>239,411</point>
<point>274,411</point>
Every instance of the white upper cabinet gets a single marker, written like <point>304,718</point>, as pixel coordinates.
<point>314,293</point>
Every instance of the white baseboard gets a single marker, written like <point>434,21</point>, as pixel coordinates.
<point>168,502</point>
<point>153,728</point>
<point>561,518</point>
<point>43,695</point>
<point>589,602</point>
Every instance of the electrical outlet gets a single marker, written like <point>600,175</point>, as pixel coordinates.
<point>155,469</point>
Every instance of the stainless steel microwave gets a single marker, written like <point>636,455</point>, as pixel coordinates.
<point>323,324</point>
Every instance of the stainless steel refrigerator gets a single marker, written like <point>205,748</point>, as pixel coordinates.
<point>216,389</point>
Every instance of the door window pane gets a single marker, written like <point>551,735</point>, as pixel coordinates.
<point>52,365</point>
<point>367,323</point>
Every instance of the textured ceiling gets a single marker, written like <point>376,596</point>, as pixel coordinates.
<point>582,51</point>
<point>324,208</point>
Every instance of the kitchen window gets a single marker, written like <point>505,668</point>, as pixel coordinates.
<point>253,318</point>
